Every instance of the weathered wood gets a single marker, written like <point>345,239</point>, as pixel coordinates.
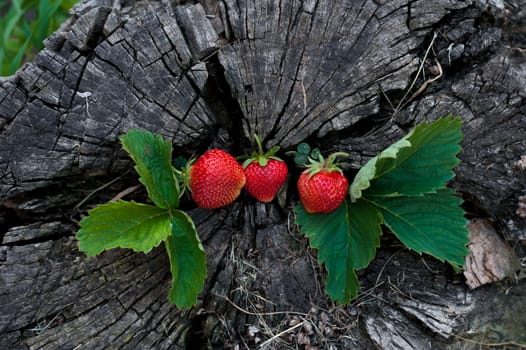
<point>340,74</point>
<point>490,258</point>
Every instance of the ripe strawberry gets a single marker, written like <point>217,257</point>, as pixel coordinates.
<point>216,179</point>
<point>322,186</point>
<point>265,173</point>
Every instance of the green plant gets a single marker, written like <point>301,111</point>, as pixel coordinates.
<point>403,188</point>
<point>24,25</point>
<point>142,227</point>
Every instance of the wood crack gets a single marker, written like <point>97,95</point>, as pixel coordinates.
<point>292,71</point>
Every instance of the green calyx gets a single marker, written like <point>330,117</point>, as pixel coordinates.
<point>328,165</point>
<point>182,175</point>
<point>261,157</point>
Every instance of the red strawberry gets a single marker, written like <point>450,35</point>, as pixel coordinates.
<point>264,181</point>
<point>265,174</point>
<point>216,179</point>
<point>322,186</point>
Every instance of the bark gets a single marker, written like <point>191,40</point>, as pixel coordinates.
<point>341,75</point>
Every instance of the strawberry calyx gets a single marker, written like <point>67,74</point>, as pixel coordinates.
<point>262,157</point>
<point>182,176</point>
<point>328,165</point>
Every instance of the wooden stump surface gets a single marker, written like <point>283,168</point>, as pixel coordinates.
<point>344,75</point>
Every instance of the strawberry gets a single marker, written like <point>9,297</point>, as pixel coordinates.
<point>265,174</point>
<point>322,186</point>
<point>215,179</point>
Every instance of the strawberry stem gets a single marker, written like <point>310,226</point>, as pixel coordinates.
<point>258,142</point>
<point>261,157</point>
<point>332,157</point>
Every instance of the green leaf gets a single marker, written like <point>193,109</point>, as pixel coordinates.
<point>187,261</point>
<point>433,224</point>
<point>420,162</point>
<point>367,173</point>
<point>123,224</point>
<point>346,239</point>
<point>153,157</point>
<point>404,187</point>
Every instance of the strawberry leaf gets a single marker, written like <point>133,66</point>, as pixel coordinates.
<point>367,173</point>
<point>425,156</point>
<point>407,183</point>
<point>187,261</point>
<point>344,243</point>
<point>153,157</point>
<point>123,224</point>
<point>433,224</point>
<point>404,187</point>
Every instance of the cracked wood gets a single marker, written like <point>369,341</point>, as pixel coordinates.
<point>210,74</point>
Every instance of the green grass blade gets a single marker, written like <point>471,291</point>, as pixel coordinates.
<point>3,65</point>
<point>16,62</point>
<point>24,26</point>
<point>13,16</point>
<point>46,11</point>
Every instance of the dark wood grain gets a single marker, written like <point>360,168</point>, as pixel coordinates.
<point>338,74</point>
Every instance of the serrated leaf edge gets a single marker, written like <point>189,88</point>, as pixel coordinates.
<point>171,295</point>
<point>362,180</point>
<point>350,294</point>
<point>420,252</point>
<point>90,217</point>
<point>367,173</point>
<point>152,192</point>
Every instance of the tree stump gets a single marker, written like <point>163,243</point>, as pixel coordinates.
<point>348,75</point>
